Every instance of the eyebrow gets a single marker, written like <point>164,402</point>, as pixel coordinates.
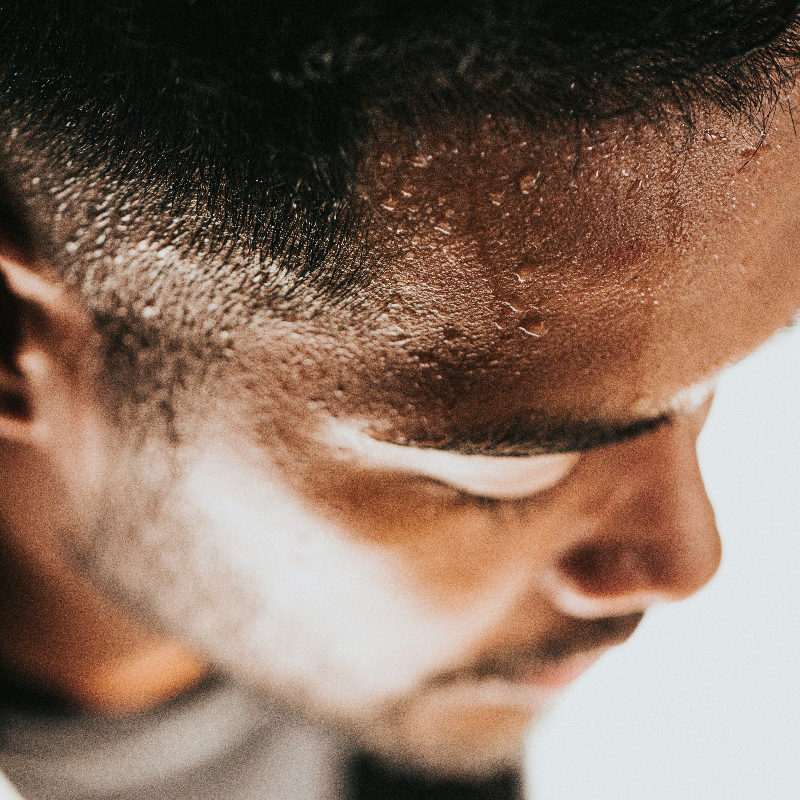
<point>532,437</point>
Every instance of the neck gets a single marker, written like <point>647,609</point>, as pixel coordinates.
<point>59,632</point>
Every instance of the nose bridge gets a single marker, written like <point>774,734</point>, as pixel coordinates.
<point>645,530</point>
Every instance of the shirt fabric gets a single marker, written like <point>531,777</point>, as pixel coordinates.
<point>219,742</point>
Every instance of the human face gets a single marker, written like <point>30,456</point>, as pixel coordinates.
<point>557,326</point>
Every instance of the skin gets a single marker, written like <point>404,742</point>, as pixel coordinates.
<point>518,285</point>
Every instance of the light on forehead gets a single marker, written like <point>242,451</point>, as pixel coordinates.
<point>692,397</point>
<point>499,477</point>
<point>684,401</point>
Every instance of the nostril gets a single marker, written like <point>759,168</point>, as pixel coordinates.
<point>608,569</point>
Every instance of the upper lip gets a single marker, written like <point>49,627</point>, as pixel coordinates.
<point>574,637</point>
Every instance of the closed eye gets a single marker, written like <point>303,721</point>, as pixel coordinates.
<point>492,477</point>
<point>487,477</point>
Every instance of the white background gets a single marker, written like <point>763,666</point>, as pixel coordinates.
<point>703,703</point>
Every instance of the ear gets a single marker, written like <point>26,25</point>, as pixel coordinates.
<point>48,362</point>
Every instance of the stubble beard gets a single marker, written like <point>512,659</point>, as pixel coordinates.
<point>150,551</point>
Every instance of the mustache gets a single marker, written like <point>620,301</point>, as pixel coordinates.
<point>575,636</point>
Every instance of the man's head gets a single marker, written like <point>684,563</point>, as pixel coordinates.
<point>364,349</point>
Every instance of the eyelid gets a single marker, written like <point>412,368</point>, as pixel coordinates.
<point>493,477</point>
<point>503,478</point>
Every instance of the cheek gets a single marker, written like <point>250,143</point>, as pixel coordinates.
<point>453,548</point>
<point>280,597</point>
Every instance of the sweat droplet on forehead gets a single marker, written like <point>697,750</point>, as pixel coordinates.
<point>527,183</point>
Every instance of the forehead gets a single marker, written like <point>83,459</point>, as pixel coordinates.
<point>560,277</point>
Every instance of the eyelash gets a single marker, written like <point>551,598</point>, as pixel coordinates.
<point>481,501</point>
<point>491,506</point>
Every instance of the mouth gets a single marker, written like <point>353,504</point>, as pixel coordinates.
<point>551,663</point>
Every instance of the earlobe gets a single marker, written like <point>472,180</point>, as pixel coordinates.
<point>14,409</point>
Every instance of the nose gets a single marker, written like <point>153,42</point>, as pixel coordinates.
<point>643,529</point>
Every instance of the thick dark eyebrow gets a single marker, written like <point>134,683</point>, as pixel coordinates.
<point>537,436</point>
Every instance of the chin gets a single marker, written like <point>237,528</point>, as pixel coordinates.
<point>457,732</point>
